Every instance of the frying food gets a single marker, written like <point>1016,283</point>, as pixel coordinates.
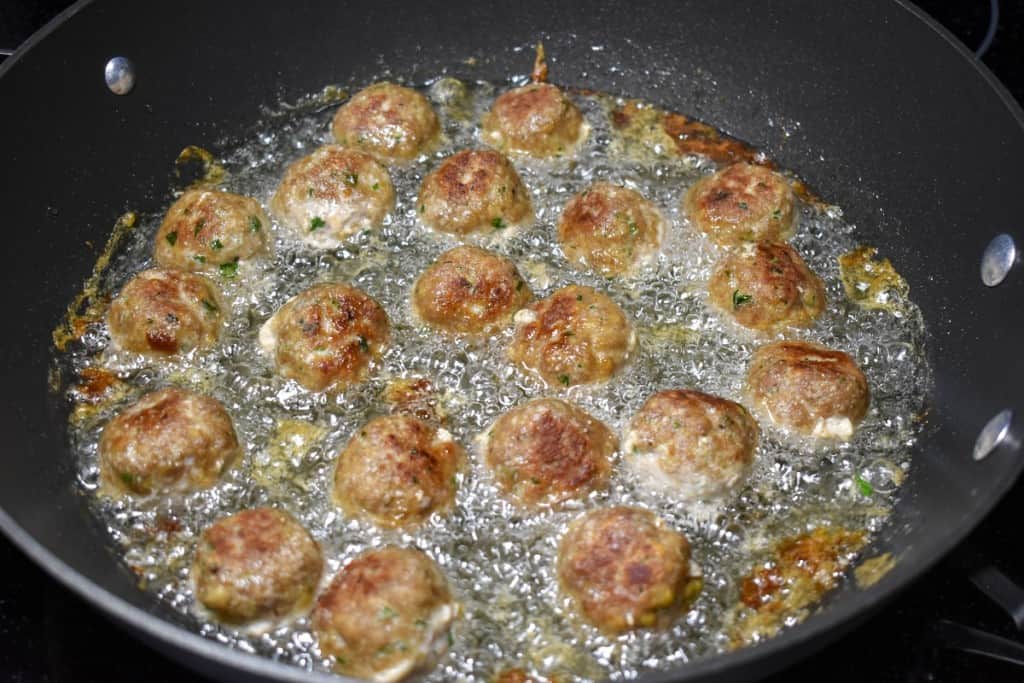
<point>391,122</point>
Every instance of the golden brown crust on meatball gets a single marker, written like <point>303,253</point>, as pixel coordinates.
<point>326,337</point>
<point>470,290</point>
<point>536,119</point>
<point>206,228</point>
<point>742,203</point>
<point>256,564</point>
<point>333,193</point>
<point>473,191</point>
<point>547,451</point>
<point>397,470</point>
<point>163,312</point>
<point>385,615</point>
<point>389,121</point>
<point>624,568</point>
<point>808,388</point>
<point>168,440</point>
<point>575,336</point>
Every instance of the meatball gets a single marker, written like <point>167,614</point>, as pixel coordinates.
<point>389,121</point>
<point>575,336</point>
<point>547,451</point>
<point>609,228</point>
<point>163,312</point>
<point>333,193</point>
<point>256,564</point>
<point>206,229</point>
<point>742,203</point>
<point>691,444</point>
<point>385,615</point>
<point>808,388</point>
<point>536,119</point>
<point>470,290</point>
<point>397,470</point>
<point>624,568</point>
<point>169,440</point>
<point>473,191</point>
<point>326,337</point>
<point>766,286</point>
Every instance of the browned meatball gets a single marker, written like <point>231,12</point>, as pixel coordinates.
<point>470,290</point>
<point>206,229</point>
<point>333,193</point>
<point>169,440</point>
<point>385,615</point>
<point>389,121</point>
<point>473,191</point>
<point>766,285</point>
<point>624,568</point>
<point>163,312</point>
<point>547,451</point>
<point>537,119</point>
<point>397,470</point>
<point>256,564</point>
<point>575,336</point>
<point>691,444</point>
<point>741,203</point>
<point>808,388</point>
<point>326,337</point>
<point>609,228</point>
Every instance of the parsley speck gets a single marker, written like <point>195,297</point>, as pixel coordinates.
<point>498,223</point>
<point>564,379</point>
<point>209,305</point>
<point>229,270</point>
<point>375,187</point>
<point>172,237</point>
<point>254,224</point>
<point>739,299</point>
<point>216,245</point>
<point>351,179</point>
<point>364,346</point>
<point>863,485</point>
<point>316,223</point>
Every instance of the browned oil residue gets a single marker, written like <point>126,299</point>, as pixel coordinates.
<point>872,282</point>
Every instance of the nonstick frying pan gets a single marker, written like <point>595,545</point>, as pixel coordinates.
<point>870,103</point>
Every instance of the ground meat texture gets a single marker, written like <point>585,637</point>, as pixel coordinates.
<point>575,336</point>
<point>169,440</point>
<point>766,286</point>
<point>742,203</point>
<point>397,470</point>
<point>547,451</point>
<point>470,290</point>
<point>624,568</point>
<point>385,615</point>
<point>326,337</point>
<point>206,229</point>
<point>256,564</point>
<point>331,194</point>
<point>536,119</point>
<point>473,191</point>
<point>690,444</point>
<point>808,388</point>
<point>391,122</point>
<point>164,312</point>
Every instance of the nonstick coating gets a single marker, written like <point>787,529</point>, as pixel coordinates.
<point>872,104</point>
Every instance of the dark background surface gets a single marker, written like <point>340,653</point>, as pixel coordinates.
<point>49,634</point>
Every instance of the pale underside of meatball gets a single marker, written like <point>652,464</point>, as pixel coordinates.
<point>389,121</point>
<point>536,119</point>
<point>742,203</point>
<point>205,229</point>
<point>331,194</point>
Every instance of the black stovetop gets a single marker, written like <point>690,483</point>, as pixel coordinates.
<point>48,634</point>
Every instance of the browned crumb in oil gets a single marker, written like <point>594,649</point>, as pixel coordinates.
<point>212,172</point>
<point>870,571</point>
<point>415,396</point>
<point>871,282</point>
<point>540,66</point>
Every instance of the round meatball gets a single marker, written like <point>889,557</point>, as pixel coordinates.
<point>385,615</point>
<point>536,119</point>
<point>397,470</point>
<point>609,228</point>
<point>326,337</point>
<point>690,444</point>
<point>331,194</point>
<point>808,389</point>
<point>766,286</point>
<point>169,440</point>
<point>473,191</point>
<point>742,203</point>
<point>256,564</point>
<point>205,229</point>
<point>575,336</point>
<point>624,568</point>
<point>547,451</point>
<point>389,121</point>
<point>163,312</point>
<point>470,290</point>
